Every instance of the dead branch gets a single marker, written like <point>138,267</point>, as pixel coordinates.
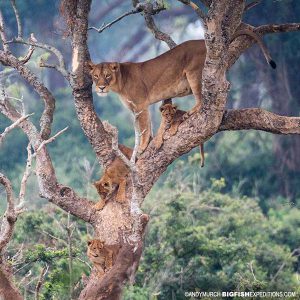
<point>50,188</point>
<point>27,57</point>
<point>19,24</point>
<point>12,126</point>
<point>61,63</point>
<point>259,119</point>
<point>25,177</point>
<point>40,282</point>
<point>196,8</point>
<point>3,34</point>
<point>275,28</point>
<point>148,10</point>
<point>108,25</point>
<point>50,140</point>
<point>251,5</point>
<point>10,215</point>
<point>44,93</point>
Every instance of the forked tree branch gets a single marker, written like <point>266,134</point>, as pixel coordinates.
<point>148,10</point>
<point>12,126</point>
<point>50,188</point>
<point>44,93</point>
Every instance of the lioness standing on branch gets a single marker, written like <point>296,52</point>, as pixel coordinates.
<point>175,73</point>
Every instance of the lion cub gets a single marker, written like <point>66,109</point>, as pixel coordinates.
<point>102,256</point>
<point>171,118</point>
<point>115,174</point>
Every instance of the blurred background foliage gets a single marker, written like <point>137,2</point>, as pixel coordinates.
<point>232,225</point>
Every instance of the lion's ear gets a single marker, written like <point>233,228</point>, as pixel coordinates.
<point>174,106</point>
<point>90,66</point>
<point>115,66</point>
<point>89,242</point>
<point>162,108</point>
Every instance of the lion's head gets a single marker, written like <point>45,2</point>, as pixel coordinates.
<point>105,76</point>
<point>168,112</point>
<point>94,251</point>
<point>104,186</point>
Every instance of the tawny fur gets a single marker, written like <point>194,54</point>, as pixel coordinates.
<point>176,73</point>
<point>171,118</point>
<point>115,174</point>
<point>102,256</point>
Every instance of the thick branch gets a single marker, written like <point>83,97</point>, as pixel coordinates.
<point>10,217</point>
<point>259,119</point>
<point>275,28</point>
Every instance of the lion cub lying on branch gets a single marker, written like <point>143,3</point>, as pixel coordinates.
<point>102,256</point>
<point>171,118</point>
<point>115,174</point>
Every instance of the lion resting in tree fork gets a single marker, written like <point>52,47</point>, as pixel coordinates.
<point>102,256</point>
<point>115,174</point>
<point>175,73</point>
<point>171,118</point>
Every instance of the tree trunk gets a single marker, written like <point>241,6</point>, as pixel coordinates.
<point>7,289</point>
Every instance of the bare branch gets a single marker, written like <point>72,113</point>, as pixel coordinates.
<point>3,34</point>
<point>50,140</point>
<point>49,187</point>
<point>19,24</point>
<point>63,71</point>
<point>259,119</point>
<point>10,217</point>
<point>105,26</point>
<point>44,93</point>
<point>53,50</point>
<point>196,8</point>
<point>12,126</point>
<point>25,177</point>
<point>40,282</point>
<point>275,28</point>
<point>113,132</point>
<point>251,5</point>
<point>27,57</point>
<point>148,10</point>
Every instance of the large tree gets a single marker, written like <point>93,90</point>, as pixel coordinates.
<point>221,19</point>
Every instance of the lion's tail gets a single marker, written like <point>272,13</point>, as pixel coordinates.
<point>262,46</point>
<point>201,146</point>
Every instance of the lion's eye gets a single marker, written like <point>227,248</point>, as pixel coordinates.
<point>107,76</point>
<point>96,76</point>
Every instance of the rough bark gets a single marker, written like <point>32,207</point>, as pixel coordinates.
<point>259,119</point>
<point>222,20</point>
<point>7,289</point>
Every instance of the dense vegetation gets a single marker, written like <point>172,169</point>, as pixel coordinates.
<point>232,225</point>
